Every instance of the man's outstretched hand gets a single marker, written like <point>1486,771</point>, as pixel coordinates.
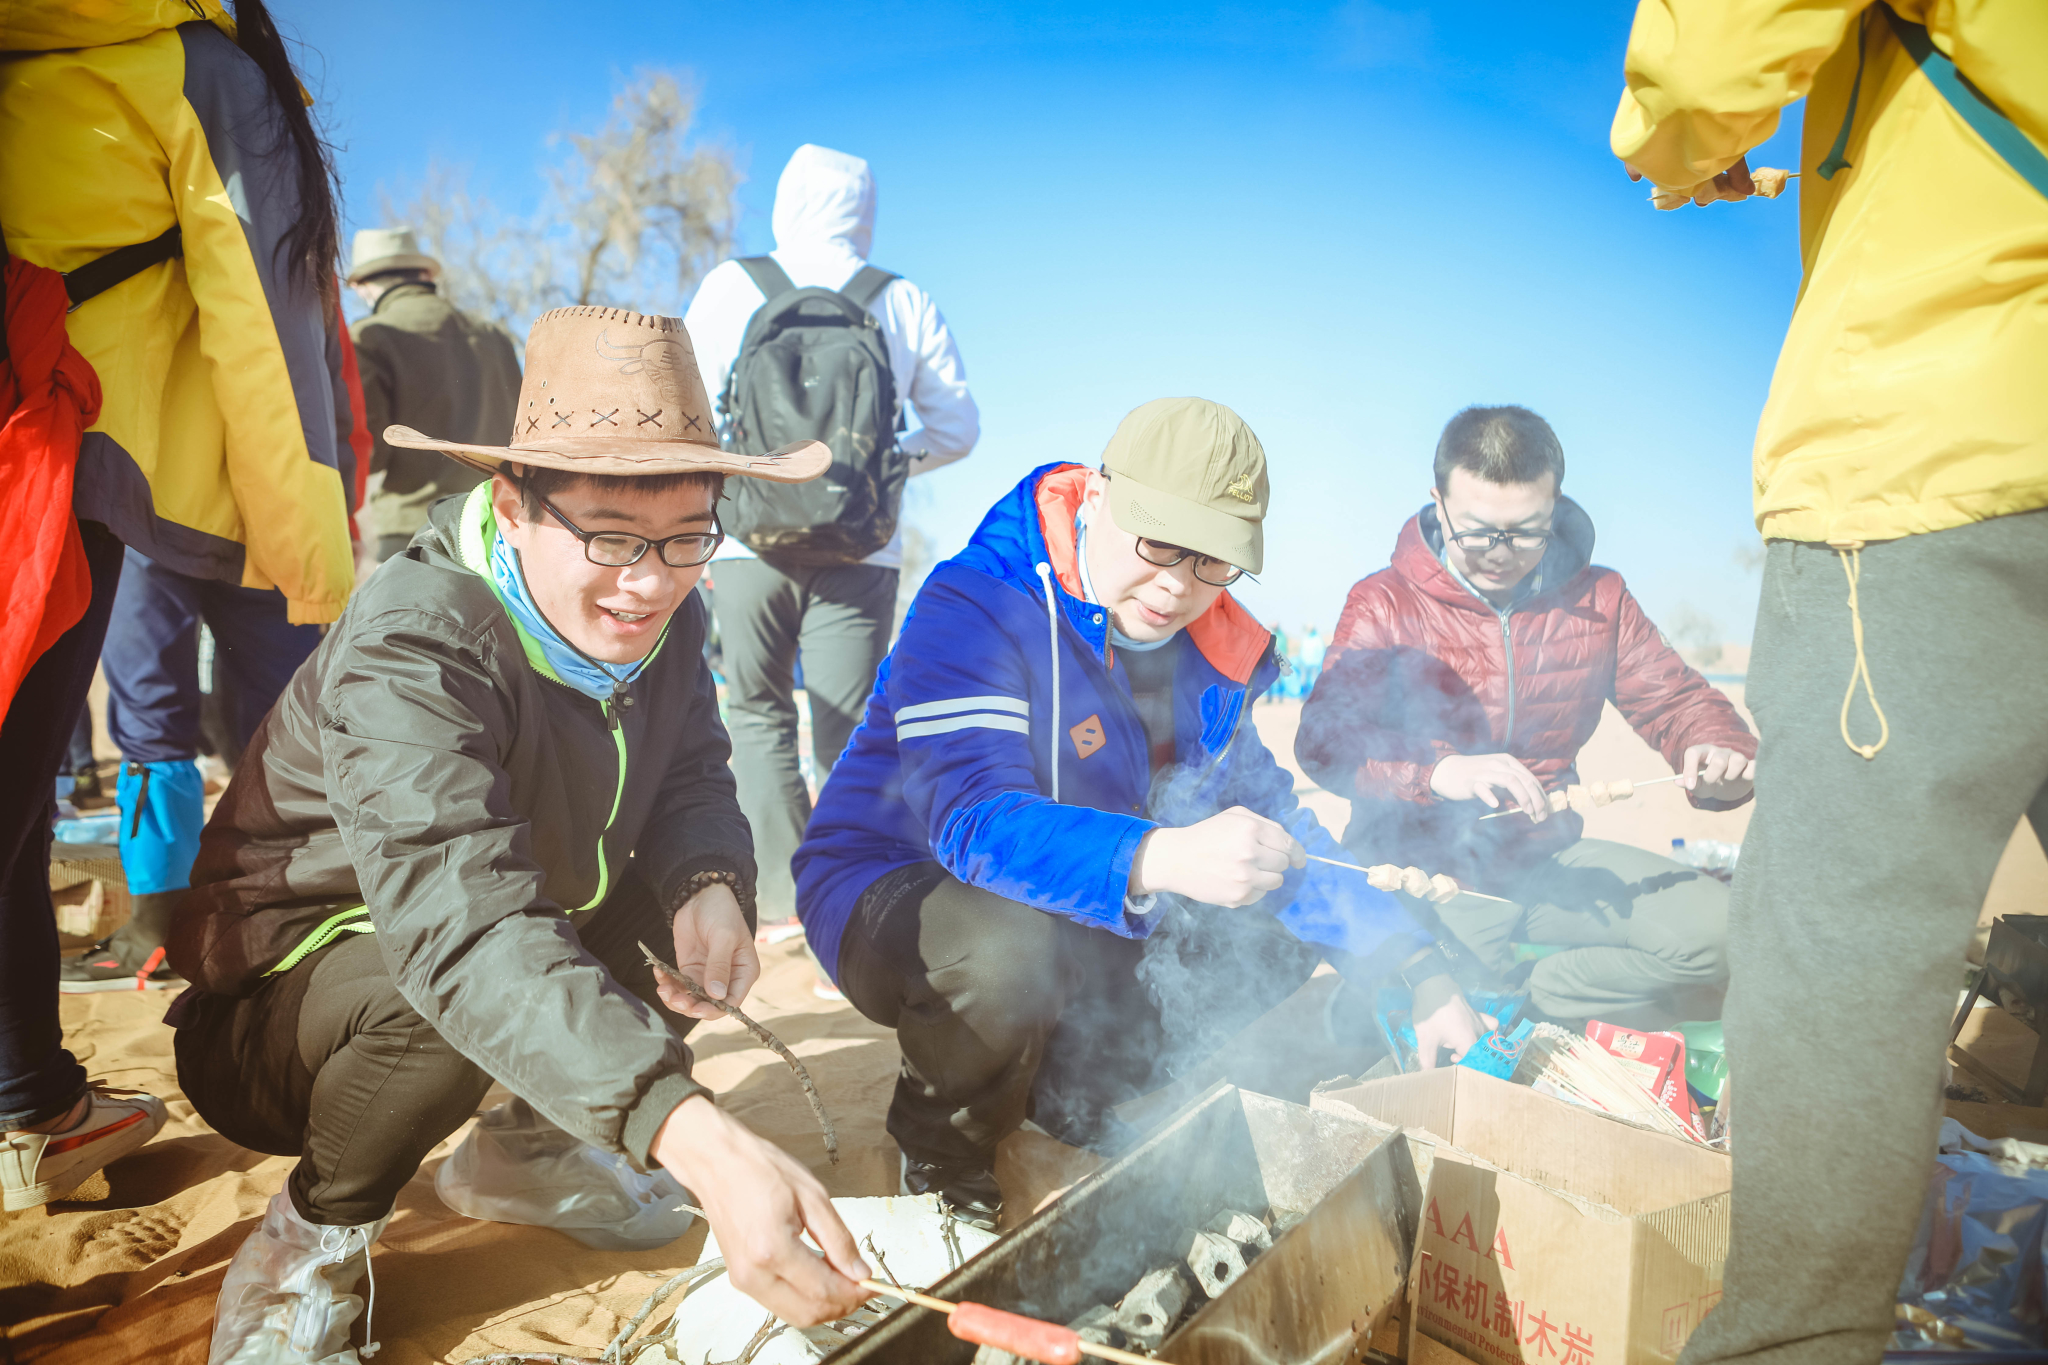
<point>714,948</point>
<point>1732,185</point>
<point>761,1202</point>
<point>1717,772</point>
<point>1445,1019</point>
<point>1232,858</point>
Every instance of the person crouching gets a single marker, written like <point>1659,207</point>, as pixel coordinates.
<point>1056,759</point>
<point>502,768</point>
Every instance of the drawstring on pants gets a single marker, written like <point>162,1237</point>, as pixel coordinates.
<point>1850,552</point>
<point>1052,630</point>
<point>337,1252</point>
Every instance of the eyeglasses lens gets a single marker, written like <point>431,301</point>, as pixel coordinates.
<point>616,551</point>
<point>685,552</point>
<point>1212,571</point>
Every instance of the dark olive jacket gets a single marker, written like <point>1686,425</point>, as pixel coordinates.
<point>422,777</point>
<point>430,366</point>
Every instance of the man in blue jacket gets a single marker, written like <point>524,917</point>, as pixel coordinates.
<point>1055,848</point>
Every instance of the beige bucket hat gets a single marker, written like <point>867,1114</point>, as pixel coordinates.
<point>387,248</point>
<point>609,391</point>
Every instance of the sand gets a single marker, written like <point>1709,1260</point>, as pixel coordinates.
<point>132,1275</point>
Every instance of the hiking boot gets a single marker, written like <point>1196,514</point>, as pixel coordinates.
<point>289,1295</point>
<point>516,1167</point>
<point>966,1191</point>
<point>38,1167</point>
<point>101,968</point>
<point>132,957</point>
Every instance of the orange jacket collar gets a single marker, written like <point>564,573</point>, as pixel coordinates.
<point>1227,635</point>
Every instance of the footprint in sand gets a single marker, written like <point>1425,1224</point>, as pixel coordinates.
<point>135,1235</point>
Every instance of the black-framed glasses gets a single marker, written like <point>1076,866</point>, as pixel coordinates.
<point>1211,570</point>
<point>619,550</point>
<point>1484,542</point>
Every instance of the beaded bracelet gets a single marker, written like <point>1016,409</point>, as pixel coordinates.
<point>716,876</point>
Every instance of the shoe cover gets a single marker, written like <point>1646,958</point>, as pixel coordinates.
<point>288,1297</point>
<point>516,1167</point>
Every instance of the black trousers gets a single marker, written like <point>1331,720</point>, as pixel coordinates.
<point>327,1062</point>
<point>1005,1012</point>
<point>39,1078</point>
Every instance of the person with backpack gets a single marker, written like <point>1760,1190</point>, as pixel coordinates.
<point>812,342</point>
<point>1901,484</point>
<point>170,208</point>
<point>1056,857</point>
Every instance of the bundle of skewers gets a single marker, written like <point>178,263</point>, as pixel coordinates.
<point>1577,1069</point>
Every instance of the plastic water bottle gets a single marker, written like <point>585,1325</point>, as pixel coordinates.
<point>1709,855</point>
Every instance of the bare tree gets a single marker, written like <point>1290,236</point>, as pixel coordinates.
<point>646,213</point>
<point>633,217</point>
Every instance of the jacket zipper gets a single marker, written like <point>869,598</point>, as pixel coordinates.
<point>604,876</point>
<point>611,719</point>
<point>1507,647</point>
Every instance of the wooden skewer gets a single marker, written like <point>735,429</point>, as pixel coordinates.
<point>1439,889</point>
<point>1012,1332</point>
<point>1560,802</point>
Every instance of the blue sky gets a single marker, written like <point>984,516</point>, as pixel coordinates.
<point>1344,221</point>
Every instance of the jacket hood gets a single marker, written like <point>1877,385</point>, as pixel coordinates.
<point>51,25</point>
<point>1418,551</point>
<point>824,201</point>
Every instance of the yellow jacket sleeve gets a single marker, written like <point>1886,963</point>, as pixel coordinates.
<point>262,332</point>
<point>1706,79</point>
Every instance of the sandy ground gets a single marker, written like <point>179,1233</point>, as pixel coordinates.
<point>129,1271</point>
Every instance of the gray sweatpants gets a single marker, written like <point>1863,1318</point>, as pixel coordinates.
<point>840,616</point>
<point>1859,886</point>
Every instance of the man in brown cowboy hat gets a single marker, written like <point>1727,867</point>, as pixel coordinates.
<point>501,770</point>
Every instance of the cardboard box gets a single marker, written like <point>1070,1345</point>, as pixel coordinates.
<point>1547,1232</point>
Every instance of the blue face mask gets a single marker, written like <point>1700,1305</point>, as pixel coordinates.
<point>570,664</point>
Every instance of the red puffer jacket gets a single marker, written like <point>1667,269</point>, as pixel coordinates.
<point>1420,667</point>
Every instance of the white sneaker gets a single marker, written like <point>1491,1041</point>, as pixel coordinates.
<point>288,1297</point>
<point>516,1167</point>
<point>38,1167</point>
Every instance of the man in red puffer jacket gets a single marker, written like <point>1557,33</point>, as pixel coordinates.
<point>1465,677</point>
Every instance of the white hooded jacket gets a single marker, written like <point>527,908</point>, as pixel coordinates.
<point>824,223</point>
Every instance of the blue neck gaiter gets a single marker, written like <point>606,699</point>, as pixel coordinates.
<point>570,664</point>
<point>1116,637</point>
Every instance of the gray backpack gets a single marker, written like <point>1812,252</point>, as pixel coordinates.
<point>813,366</point>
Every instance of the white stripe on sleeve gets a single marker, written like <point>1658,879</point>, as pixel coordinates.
<point>979,721</point>
<point>955,704</point>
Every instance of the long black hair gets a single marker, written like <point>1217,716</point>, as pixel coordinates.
<point>314,239</point>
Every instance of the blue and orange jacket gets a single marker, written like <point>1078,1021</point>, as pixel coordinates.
<point>999,743</point>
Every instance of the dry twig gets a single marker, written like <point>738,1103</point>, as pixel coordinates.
<point>614,1354</point>
<point>768,1039</point>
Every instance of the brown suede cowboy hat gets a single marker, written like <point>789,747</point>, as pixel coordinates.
<point>608,391</point>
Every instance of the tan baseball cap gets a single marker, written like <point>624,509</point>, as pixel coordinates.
<point>1191,473</point>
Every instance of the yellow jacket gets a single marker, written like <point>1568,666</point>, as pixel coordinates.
<point>1912,391</point>
<point>215,453</point>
